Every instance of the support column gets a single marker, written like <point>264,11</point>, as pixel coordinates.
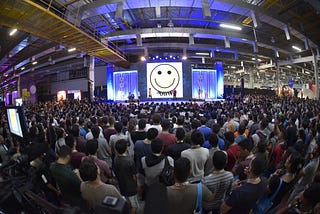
<point>278,77</point>
<point>91,78</point>
<point>251,79</point>
<point>316,75</point>
<point>109,82</point>
<point>18,88</point>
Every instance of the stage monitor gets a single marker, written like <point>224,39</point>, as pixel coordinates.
<point>17,121</point>
<point>163,78</point>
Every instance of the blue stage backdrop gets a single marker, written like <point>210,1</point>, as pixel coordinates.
<point>204,84</point>
<point>125,82</point>
<point>220,83</point>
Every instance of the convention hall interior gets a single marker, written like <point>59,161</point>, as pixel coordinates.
<point>138,86</point>
<point>66,45</point>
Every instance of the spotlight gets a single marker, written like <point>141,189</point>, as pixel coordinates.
<point>184,58</point>
<point>174,58</point>
<point>157,57</point>
<point>142,58</point>
<point>71,49</point>
<point>166,58</point>
<point>160,58</point>
<point>34,63</point>
<point>153,58</point>
<point>170,57</point>
<point>13,32</point>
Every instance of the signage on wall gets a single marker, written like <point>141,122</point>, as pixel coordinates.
<point>163,79</point>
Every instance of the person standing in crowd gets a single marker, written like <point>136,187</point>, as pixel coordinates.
<point>245,194</point>
<point>167,138</point>
<point>218,182</point>
<point>175,150</point>
<point>68,180</point>
<point>182,196</point>
<point>93,190</point>
<point>125,171</point>
<point>139,134</point>
<point>153,164</point>
<point>197,156</point>
<point>76,157</point>
<point>213,140</point>
<point>232,150</point>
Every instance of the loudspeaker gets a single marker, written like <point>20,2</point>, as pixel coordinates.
<point>242,87</point>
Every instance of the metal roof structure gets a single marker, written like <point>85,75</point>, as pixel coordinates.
<point>121,31</point>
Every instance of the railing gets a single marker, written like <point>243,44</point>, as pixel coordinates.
<point>74,18</point>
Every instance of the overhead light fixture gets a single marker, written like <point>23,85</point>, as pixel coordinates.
<point>259,60</point>
<point>289,66</point>
<point>296,48</point>
<point>184,58</point>
<point>22,68</point>
<point>142,58</point>
<point>34,63</point>
<point>233,67</point>
<point>228,26</point>
<point>307,72</point>
<point>71,49</point>
<point>13,32</point>
<point>202,54</point>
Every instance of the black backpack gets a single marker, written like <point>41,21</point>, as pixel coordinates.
<point>166,175</point>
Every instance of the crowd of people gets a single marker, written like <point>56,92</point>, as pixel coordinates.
<point>227,156</point>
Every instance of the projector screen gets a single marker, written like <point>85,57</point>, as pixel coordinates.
<point>163,79</point>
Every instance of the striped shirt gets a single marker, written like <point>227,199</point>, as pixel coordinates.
<point>219,183</point>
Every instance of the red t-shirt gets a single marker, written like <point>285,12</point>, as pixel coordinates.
<point>232,152</point>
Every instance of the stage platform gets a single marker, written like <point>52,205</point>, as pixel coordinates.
<point>169,101</point>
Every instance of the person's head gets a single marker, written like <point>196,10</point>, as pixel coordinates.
<point>245,148</point>
<point>195,124</point>
<point>111,121</point>
<point>64,153</point>
<point>180,120</point>
<point>95,131</point>
<point>165,125</point>
<point>60,133</point>
<point>121,146</point>
<point>118,127</point>
<point>92,146</point>
<point>294,163</point>
<point>75,131</point>
<point>70,141</point>
<point>213,139</point>
<point>219,160</point>
<point>182,169</point>
<point>152,133</point>
<point>256,167</point>
<point>197,138</point>
<point>33,131</point>
<point>264,123</point>
<point>215,128</point>
<point>142,124</point>
<point>88,170</point>
<point>156,146</point>
<point>229,136</point>
<point>156,119</point>
<point>241,128</point>
<point>180,134</point>
<point>203,120</point>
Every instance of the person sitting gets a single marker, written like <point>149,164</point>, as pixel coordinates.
<point>93,190</point>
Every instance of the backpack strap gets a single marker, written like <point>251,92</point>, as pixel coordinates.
<point>277,191</point>
<point>199,198</point>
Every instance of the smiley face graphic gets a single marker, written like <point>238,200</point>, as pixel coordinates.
<point>164,78</point>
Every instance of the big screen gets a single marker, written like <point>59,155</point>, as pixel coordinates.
<point>14,121</point>
<point>163,78</point>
